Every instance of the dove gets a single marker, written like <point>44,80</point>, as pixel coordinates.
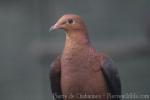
<point>80,72</point>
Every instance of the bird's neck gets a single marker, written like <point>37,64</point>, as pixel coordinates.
<point>76,41</point>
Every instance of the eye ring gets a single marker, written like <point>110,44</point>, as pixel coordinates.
<point>70,21</point>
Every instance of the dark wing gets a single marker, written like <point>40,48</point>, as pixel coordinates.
<point>55,78</point>
<point>112,78</point>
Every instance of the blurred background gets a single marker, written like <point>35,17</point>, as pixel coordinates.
<point>120,28</point>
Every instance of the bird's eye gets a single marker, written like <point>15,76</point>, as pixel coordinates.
<point>70,21</point>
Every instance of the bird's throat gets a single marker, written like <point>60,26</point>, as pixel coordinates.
<point>76,43</point>
<point>76,40</point>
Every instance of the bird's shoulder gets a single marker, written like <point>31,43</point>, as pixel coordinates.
<point>102,57</point>
<point>56,64</point>
<point>106,62</point>
<point>111,74</point>
<point>98,60</point>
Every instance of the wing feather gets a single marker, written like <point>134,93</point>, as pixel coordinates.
<point>55,78</point>
<point>112,78</point>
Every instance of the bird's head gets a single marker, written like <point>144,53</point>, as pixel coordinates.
<point>69,23</point>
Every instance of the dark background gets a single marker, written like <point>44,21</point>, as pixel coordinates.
<point>120,28</point>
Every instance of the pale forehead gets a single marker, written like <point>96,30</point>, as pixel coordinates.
<point>70,16</point>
